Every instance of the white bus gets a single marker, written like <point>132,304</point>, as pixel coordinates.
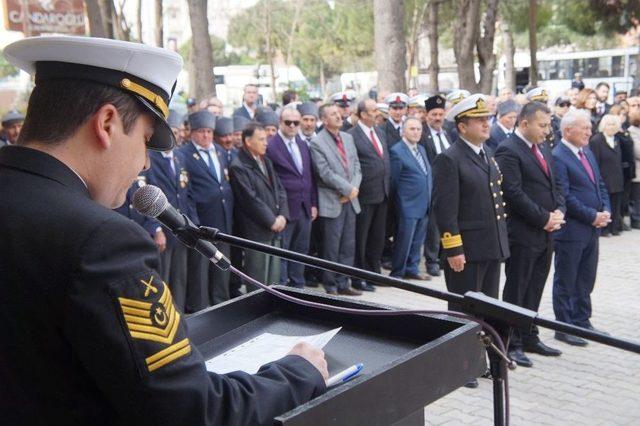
<point>555,70</point>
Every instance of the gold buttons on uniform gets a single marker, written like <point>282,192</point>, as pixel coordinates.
<point>497,206</point>
<point>498,217</point>
<point>495,195</point>
<point>491,183</point>
<point>501,192</point>
<point>504,204</point>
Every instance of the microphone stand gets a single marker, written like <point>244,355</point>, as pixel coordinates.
<point>502,314</point>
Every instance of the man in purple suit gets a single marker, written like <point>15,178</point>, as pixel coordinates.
<point>292,162</point>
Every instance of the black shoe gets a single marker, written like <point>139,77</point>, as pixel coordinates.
<point>433,270</point>
<point>570,340</point>
<point>350,292</point>
<point>615,234</point>
<point>520,358</point>
<point>472,384</point>
<point>386,265</point>
<point>592,328</point>
<point>605,234</point>
<point>363,286</point>
<point>418,277</point>
<point>541,349</point>
<point>635,225</point>
<point>312,284</point>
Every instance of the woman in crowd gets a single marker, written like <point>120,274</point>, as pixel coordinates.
<point>606,147</point>
<point>587,100</point>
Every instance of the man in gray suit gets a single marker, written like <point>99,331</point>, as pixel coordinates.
<point>338,176</point>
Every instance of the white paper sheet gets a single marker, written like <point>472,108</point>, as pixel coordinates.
<point>263,349</point>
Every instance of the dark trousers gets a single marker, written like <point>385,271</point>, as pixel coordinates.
<point>526,271</point>
<point>634,200</point>
<point>409,239</point>
<point>390,229</point>
<point>338,245</point>
<point>235,282</point>
<point>262,267</point>
<point>295,237</point>
<point>576,265</point>
<point>197,297</point>
<point>370,232</point>
<point>219,280</point>
<point>173,261</point>
<point>616,213</point>
<point>311,274</point>
<point>481,276</point>
<point>432,241</point>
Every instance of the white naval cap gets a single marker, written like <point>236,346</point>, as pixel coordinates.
<point>538,94</point>
<point>396,99</point>
<point>457,95</point>
<point>418,100</point>
<point>382,107</point>
<point>145,72</point>
<point>472,106</point>
<point>343,99</point>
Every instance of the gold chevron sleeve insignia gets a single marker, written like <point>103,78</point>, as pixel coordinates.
<point>451,241</point>
<point>168,355</point>
<point>157,322</point>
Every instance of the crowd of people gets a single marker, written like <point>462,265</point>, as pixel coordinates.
<point>465,181</point>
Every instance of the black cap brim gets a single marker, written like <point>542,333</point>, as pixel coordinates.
<point>163,138</point>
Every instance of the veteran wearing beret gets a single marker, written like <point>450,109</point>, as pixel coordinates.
<point>11,126</point>
<point>89,329</point>
<point>468,205</point>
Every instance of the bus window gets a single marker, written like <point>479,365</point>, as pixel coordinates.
<point>617,66</point>
<point>564,69</point>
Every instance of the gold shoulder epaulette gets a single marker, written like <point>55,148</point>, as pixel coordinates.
<point>451,241</point>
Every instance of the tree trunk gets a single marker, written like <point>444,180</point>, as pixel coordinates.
<point>412,44</point>
<point>486,57</point>
<point>509,49</point>
<point>121,29</point>
<point>432,32</point>
<point>464,42</point>
<point>139,20</point>
<point>201,50</point>
<point>533,44</point>
<point>97,27</point>
<point>323,83</point>
<point>159,24</point>
<point>389,42</point>
<point>269,48</point>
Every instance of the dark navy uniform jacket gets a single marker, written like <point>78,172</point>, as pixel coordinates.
<point>469,206</point>
<point>213,199</point>
<point>174,185</point>
<point>89,331</point>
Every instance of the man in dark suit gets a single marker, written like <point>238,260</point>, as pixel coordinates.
<point>338,176</point>
<point>397,110</point>
<point>95,337</point>
<point>210,191</point>
<point>291,159</point>
<point>435,141</point>
<point>535,208</point>
<point>588,210</point>
<point>504,125</point>
<point>168,173</point>
<point>261,210</point>
<point>602,93</point>
<point>469,205</point>
<point>374,190</point>
<point>411,180</point>
<point>249,102</point>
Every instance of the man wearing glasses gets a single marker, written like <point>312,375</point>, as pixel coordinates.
<point>291,160</point>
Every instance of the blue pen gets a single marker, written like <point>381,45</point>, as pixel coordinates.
<point>345,375</point>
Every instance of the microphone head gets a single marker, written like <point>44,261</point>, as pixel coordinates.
<point>149,200</point>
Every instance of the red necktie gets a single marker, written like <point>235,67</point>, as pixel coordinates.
<point>375,145</point>
<point>540,158</point>
<point>587,166</point>
<point>343,153</point>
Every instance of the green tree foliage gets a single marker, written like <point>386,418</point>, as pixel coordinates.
<point>6,69</point>
<point>338,39</point>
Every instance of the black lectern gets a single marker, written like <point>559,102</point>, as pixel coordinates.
<point>409,360</point>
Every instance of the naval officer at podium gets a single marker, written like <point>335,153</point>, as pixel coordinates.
<point>90,334</point>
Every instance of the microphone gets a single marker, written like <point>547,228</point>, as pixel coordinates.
<point>150,201</point>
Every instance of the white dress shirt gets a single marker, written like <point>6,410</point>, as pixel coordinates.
<point>436,142</point>
<point>214,157</point>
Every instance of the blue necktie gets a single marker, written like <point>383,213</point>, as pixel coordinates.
<point>421,163</point>
<point>212,167</point>
<point>171,166</point>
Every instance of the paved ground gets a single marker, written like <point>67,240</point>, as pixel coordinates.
<point>596,385</point>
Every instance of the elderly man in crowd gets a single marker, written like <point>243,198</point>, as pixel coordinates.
<point>291,160</point>
<point>588,210</point>
<point>338,176</point>
<point>11,126</point>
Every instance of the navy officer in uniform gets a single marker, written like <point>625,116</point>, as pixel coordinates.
<point>90,334</point>
<point>468,204</point>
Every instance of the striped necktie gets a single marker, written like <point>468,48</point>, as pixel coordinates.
<point>420,160</point>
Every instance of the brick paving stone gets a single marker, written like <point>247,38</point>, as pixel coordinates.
<point>585,386</point>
